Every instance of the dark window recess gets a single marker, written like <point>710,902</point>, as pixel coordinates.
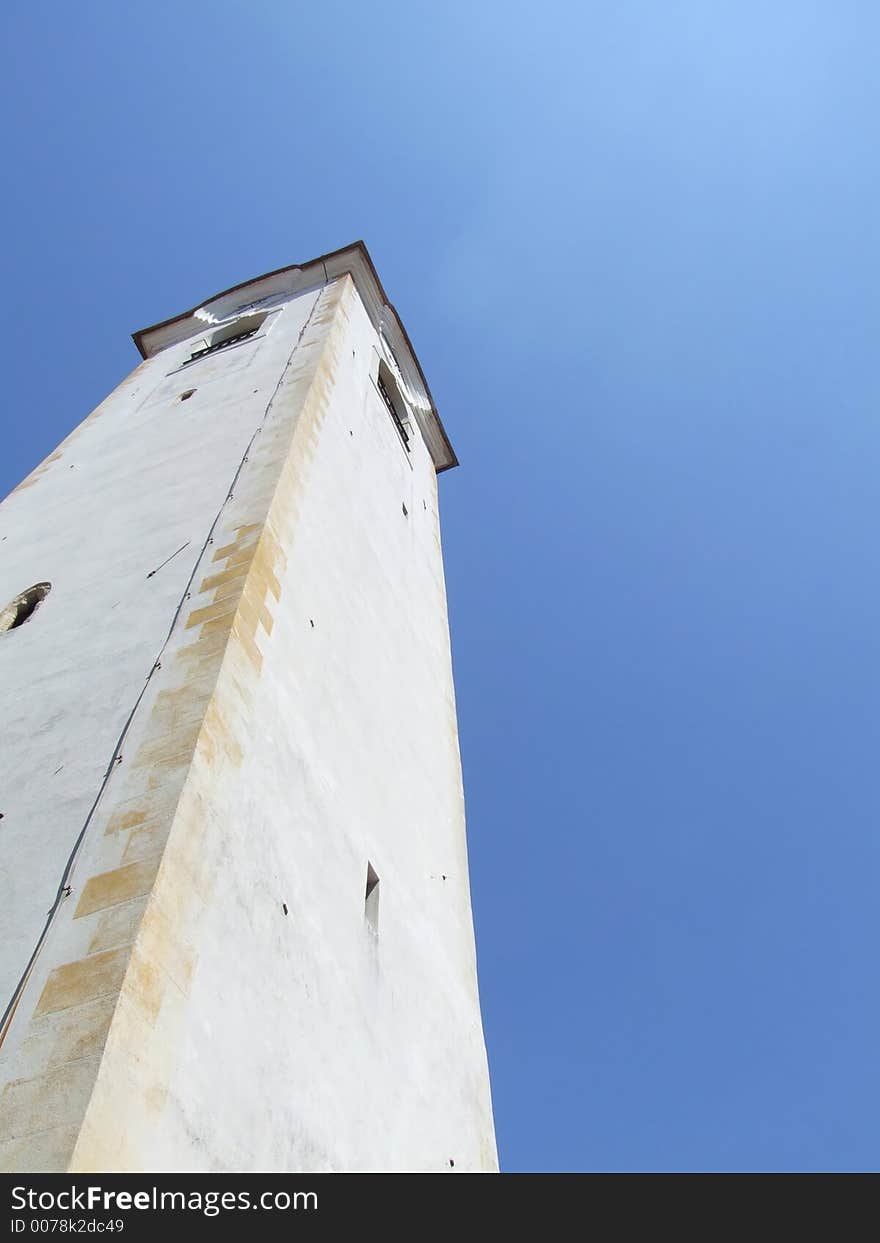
<point>23,607</point>
<point>221,345</point>
<point>371,899</point>
<point>398,422</point>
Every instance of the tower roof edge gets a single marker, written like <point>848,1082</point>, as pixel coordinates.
<point>353,259</point>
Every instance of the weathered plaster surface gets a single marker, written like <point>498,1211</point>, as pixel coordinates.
<point>211,996</point>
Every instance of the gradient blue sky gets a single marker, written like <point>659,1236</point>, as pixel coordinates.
<point>636,247</point>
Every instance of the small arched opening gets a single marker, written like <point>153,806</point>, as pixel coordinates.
<point>23,607</point>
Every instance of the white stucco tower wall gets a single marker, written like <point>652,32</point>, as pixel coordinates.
<point>230,714</point>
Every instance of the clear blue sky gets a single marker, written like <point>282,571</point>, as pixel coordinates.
<point>636,247</point>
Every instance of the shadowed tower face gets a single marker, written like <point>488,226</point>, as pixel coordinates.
<point>230,768</point>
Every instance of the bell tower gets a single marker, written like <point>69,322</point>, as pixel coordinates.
<point>236,931</point>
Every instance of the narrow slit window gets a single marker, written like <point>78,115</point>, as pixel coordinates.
<point>396,408</point>
<point>371,899</point>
